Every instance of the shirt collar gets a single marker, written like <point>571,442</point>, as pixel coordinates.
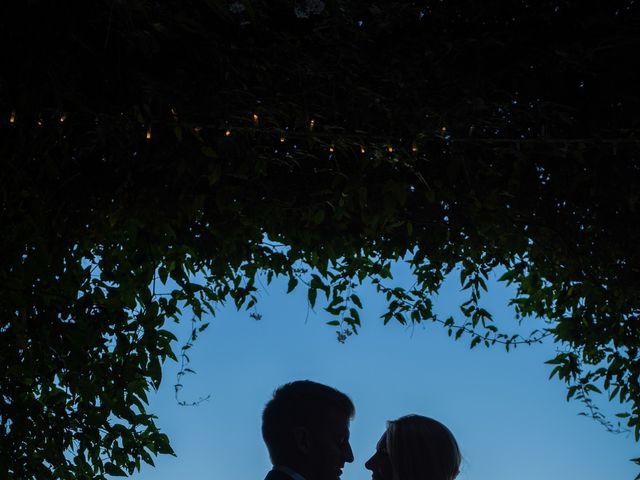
<point>292,473</point>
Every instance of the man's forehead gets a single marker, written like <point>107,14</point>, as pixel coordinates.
<point>336,421</point>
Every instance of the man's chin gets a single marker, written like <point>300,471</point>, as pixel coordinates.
<point>335,476</point>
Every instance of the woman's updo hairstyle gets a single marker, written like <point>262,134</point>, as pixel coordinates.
<point>421,448</point>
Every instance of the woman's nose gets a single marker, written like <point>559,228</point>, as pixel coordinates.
<point>369,464</point>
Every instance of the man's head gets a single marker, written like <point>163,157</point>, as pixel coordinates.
<point>306,427</point>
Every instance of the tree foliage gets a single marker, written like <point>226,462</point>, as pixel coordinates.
<point>147,142</point>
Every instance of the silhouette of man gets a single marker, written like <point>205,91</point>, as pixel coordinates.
<point>306,429</point>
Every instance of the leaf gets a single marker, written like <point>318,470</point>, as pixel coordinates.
<point>311,295</point>
<point>207,151</point>
<point>355,316</point>
<point>400,318</point>
<point>163,274</point>
<point>592,388</point>
<point>356,300</point>
<point>155,371</point>
<point>178,133</point>
<point>163,446</point>
<point>146,457</point>
<point>214,173</point>
<point>114,470</point>
<point>291,285</point>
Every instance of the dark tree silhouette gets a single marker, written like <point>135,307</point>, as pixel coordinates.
<point>143,142</point>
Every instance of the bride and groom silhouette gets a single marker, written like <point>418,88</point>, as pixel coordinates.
<point>306,429</point>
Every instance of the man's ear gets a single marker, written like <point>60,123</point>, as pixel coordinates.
<point>302,439</point>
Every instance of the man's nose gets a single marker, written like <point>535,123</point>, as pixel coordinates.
<point>348,454</point>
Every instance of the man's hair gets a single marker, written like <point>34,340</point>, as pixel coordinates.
<point>300,403</point>
<point>421,447</point>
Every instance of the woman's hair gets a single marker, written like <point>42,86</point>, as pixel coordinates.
<point>421,448</point>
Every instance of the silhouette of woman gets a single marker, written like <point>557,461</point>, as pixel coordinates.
<point>415,448</point>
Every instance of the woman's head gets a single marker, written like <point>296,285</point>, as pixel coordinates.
<point>415,448</point>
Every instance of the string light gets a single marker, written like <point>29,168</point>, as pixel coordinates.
<point>283,134</point>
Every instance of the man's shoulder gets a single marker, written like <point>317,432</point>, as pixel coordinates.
<point>277,475</point>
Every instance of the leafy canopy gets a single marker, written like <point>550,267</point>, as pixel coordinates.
<point>144,142</point>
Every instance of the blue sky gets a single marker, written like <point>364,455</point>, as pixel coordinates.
<point>511,421</point>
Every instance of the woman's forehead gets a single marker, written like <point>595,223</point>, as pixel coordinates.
<point>382,443</point>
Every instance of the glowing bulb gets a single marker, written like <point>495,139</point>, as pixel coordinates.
<point>197,129</point>
<point>255,119</point>
<point>443,130</point>
<point>362,150</point>
<point>149,133</point>
<point>12,117</point>
<point>62,118</point>
<point>282,139</point>
<point>312,124</point>
<point>39,122</point>
<point>332,149</point>
<point>227,133</point>
<point>414,148</point>
<point>390,149</point>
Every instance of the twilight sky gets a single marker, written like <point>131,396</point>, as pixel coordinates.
<point>510,421</point>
